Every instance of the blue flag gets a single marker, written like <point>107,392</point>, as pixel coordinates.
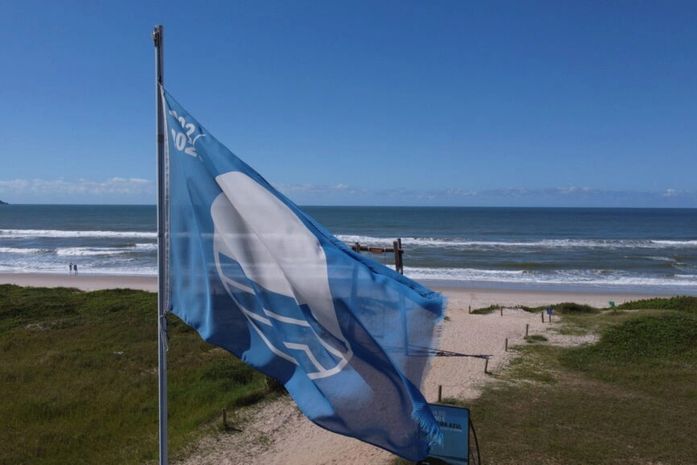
<point>256,276</point>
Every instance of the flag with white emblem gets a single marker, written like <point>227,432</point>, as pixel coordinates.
<point>256,276</point>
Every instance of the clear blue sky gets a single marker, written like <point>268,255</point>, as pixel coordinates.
<point>390,102</point>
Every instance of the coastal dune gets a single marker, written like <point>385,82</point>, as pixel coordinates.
<point>277,433</point>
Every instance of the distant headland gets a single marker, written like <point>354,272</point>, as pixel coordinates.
<point>3,203</point>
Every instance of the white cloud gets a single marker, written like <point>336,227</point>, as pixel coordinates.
<point>119,189</point>
<point>321,189</point>
<point>115,186</point>
<point>342,194</point>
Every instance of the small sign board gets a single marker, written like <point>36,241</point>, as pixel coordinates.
<point>454,424</point>
<point>550,311</point>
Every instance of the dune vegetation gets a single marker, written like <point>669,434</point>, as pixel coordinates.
<point>628,398</point>
<point>78,378</point>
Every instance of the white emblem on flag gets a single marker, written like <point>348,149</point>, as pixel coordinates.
<point>264,253</point>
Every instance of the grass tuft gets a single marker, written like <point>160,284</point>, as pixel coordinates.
<point>486,310</point>
<point>564,308</point>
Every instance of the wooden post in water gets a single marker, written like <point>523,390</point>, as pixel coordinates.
<point>396,249</point>
<point>398,252</point>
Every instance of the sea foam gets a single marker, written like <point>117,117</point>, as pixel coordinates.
<point>583,277</point>
<point>545,243</point>
<point>20,250</point>
<point>30,233</point>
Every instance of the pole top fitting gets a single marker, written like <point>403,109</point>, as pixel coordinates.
<point>156,31</point>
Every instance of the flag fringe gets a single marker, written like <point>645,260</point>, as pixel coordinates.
<point>422,413</point>
<point>428,425</point>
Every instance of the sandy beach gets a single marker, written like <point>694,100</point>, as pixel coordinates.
<point>277,433</point>
<point>85,282</point>
<point>458,297</point>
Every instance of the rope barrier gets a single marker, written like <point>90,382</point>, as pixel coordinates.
<point>445,353</point>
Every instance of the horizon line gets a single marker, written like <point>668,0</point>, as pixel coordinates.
<point>375,206</point>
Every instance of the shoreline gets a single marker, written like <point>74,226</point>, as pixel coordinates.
<point>82,281</point>
<point>459,294</point>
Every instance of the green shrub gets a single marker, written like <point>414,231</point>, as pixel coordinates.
<point>679,303</point>
<point>562,308</point>
<point>655,338</point>
<point>486,310</point>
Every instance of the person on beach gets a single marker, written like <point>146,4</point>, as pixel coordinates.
<point>71,267</point>
<point>75,268</point>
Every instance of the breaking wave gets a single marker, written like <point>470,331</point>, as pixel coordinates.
<point>545,243</point>
<point>20,250</point>
<point>93,251</point>
<point>587,277</point>
<point>31,233</point>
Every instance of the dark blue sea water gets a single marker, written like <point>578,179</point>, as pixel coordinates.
<point>648,249</point>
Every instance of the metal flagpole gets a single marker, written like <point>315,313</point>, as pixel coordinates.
<point>162,210</point>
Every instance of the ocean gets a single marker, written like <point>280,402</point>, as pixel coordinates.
<point>644,250</point>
